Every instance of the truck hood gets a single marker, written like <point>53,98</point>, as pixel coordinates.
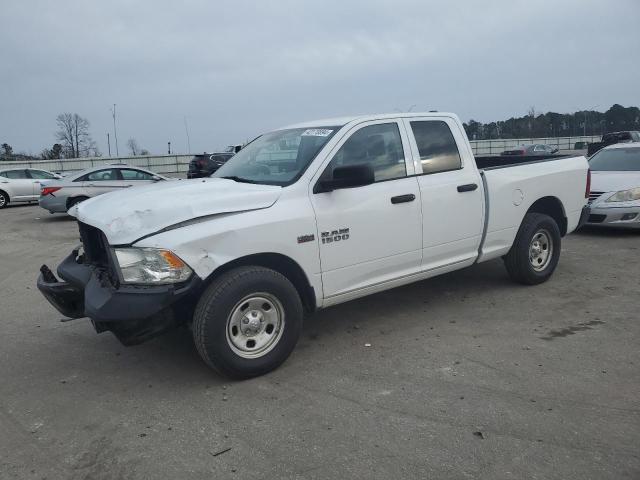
<point>128,215</point>
<point>614,181</point>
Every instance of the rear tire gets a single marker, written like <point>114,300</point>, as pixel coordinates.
<point>4,199</point>
<point>247,322</point>
<point>535,252</point>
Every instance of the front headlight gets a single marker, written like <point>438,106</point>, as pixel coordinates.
<point>151,266</point>
<point>625,195</point>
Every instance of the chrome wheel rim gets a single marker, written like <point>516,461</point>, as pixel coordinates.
<point>255,325</point>
<point>540,250</point>
<point>3,200</point>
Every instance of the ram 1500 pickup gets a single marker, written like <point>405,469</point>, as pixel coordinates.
<point>306,217</point>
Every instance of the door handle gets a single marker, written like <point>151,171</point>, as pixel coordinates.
<point>469,187</point>
<point>409,197</point>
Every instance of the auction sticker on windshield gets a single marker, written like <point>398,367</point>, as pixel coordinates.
<point>317,132</point>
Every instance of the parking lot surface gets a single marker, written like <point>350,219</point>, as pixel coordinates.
<point>466,375</point>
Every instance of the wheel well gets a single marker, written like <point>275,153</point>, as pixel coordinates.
<point>72,200</point>
<point>553,207</point>
<point>280,263</point>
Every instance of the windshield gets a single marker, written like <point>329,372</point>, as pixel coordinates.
<point>616,160</point>
<point>277,158</point>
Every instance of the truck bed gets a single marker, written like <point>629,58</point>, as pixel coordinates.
<point>511,186</point>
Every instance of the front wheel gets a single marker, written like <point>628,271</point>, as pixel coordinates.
<point>535,252</point>
<point>247,322</point>
<point>4,199</point>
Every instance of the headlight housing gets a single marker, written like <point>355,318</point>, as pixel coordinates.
<point>151,266</point>
<point>625,195</point>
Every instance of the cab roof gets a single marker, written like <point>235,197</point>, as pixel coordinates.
<point>342,121</point>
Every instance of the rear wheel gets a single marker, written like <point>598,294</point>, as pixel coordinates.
<point>247,322</point>
<point>535,252</point>
<point>4,199</point>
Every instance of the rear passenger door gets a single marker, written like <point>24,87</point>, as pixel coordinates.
<point>101,181</point>
<point>451,192</point>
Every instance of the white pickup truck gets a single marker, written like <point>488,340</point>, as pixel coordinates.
<point>306,217</point>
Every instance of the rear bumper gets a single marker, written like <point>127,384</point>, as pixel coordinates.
<point>618,217</point>
<point>53,204</point>
<point>584,215</point>
<point>133,313</point>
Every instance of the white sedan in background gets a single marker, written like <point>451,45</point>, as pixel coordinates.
<point>19,185</point>
<point>615,186</point>
<point>60,195</point>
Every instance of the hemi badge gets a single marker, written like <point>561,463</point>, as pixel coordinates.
<point>306,238</point>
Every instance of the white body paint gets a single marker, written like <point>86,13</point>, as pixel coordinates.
<point>211,222</point>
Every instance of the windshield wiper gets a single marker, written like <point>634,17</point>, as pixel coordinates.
<point>239,179</point>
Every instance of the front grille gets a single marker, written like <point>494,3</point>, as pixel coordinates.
<point>94,245</point>
<point>595,218</point>
<point>594,195</point>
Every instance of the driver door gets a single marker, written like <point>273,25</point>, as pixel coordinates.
<point>369,235</point>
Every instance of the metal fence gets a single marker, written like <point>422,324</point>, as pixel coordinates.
<point>175,164</point>
<point>156,163</point>
<point>495,147</point>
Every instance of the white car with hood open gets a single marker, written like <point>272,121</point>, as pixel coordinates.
<point>306,217</point>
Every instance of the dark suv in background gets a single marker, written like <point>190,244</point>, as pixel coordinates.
<point>207,163</point>
<point>612,138</point>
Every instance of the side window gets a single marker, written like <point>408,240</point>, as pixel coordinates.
<point>130,174</point>
<point>101,176</point>
<point>40,175</point>
<point>436,146</point>
<point>16,174</point>
<point>377,145</point>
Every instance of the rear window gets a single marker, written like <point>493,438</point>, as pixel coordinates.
<point>436,146</point>
<point>616,160</point>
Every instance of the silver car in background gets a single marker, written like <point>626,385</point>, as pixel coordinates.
<point>615,186</point>
<point>60,195</point>
<point>18,185</point>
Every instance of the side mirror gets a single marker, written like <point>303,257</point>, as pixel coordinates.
<point>156,178</point>
<point>346,177</point>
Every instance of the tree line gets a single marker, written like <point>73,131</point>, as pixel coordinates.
<point>73,140</point>
<point>551,124</point>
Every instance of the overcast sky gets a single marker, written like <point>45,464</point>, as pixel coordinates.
<point>236,68</point>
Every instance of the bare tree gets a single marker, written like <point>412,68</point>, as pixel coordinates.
<point>133,146</point>
<point>73,134</point>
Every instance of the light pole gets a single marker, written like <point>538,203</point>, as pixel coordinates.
<point>108,144</point>
<point>115,133</point>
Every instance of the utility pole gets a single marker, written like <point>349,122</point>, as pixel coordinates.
<point>186,129</point>
<point>108,144</point>
<point>115,133</point>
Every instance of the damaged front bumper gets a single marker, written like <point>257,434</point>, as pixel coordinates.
<point>134,313</point>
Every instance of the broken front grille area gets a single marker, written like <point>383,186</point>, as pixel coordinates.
<point>94,245</point>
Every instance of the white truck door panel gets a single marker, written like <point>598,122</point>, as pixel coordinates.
<point>451,192</point>
<point>364,238</point>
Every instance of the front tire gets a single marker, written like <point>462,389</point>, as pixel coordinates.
<point>4,199</point>
<point>247,322</point>
<point>535,252</point>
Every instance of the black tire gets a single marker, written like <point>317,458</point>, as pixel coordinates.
<point>517,262</point>
<point>75,201</point>
<point>213,321</point>
<point>4,199</point>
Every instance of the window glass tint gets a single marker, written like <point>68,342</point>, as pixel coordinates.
<point>101,176</point>
<point>616,160</point>
<point>437,147</point>
<point>377,145</point>
<point>39,174</point>
<point>130,174</point>
<point>15,174</point>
